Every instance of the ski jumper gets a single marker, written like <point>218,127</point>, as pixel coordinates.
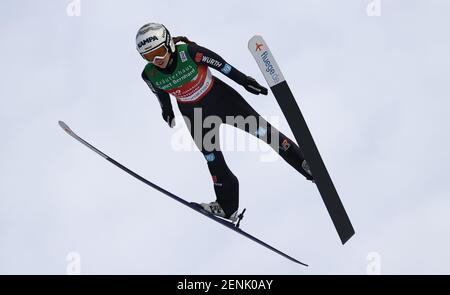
<point>188,78</point>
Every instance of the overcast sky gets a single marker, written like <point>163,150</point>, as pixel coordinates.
<point>374,90</point>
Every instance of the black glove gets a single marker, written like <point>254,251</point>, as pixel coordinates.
<point>252,86</point>
<point>169,117</point>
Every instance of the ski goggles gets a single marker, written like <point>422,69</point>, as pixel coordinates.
<point>158,53</point>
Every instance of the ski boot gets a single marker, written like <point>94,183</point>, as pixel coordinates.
<point>215,209</point>
<point>306,168</point>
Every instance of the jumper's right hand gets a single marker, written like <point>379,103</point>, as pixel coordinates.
<point>169,117</point>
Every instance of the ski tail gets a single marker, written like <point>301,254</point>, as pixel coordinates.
<point>322,179</point>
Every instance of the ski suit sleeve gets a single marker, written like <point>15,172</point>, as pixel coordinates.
<point>163,97</point>
<point>204,56</point>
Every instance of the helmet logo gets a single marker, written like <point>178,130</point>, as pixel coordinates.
<point>148,40</point>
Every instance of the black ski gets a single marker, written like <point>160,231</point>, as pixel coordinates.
<point>194,206</point>
<point>291,111</point>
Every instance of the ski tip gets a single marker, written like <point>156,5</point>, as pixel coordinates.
<point>252,42</point>
<point>65,127</point>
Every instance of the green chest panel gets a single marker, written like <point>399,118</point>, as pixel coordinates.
<point>185,71</point>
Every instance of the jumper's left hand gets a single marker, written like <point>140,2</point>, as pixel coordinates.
<point>254,87</point>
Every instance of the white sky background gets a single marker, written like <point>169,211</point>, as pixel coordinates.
<point>374,91</point>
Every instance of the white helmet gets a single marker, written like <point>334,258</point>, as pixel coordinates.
<point>151,36</point>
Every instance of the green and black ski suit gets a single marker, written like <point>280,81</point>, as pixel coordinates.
<point>189,79</point>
